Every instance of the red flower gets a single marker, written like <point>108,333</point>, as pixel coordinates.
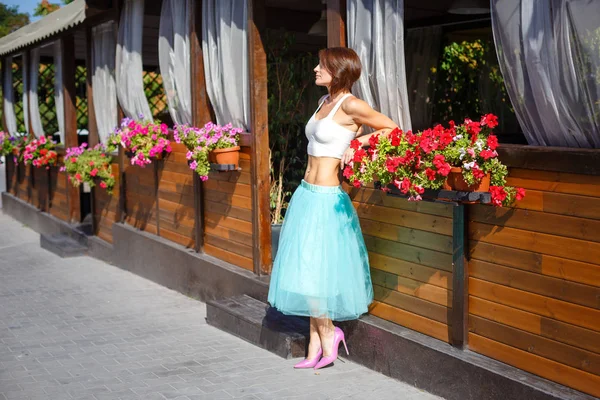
<point>430,174</point>
<point>427,144</point>
<point>374,140</point>
<point>490,120</point>
<point>520,194</point>
<point>419,189</point>
<point>94,172</point>
<point>73,160</point>
<point>487,154</point>
<point>358,155</point>
<point>348,172</point>
<point>411,138</point>
<point>91,163</point>
<point>356,183</point>
<point>473,128</point>
<point>478,174</point>
<point>405,185</point>
<point>43,152</point>
<point>396,137</point>
<point>103,185</point>
<point>391,164</point>
<point>78,177</point>
<point>492,142</point>
<point>355,144</point>
<point>498,195</point>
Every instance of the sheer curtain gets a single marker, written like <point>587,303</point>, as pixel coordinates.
<point>129,67</point>
<point>549,57</point>
<point>58,89</point>
<point>225,48</point>
<point>103,79</point>
<point>376,33</point>
<point>9,97</point>
<point>34,105</point>
<point>422,49</point>
<point>174,58</point>
<point>25,77</point>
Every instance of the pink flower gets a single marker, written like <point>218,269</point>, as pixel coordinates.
<point>203,178</point>
<point>103,185</point>
<point>94,172</point>
<point>193,165</point>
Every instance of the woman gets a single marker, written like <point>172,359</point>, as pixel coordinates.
<point>322,266</point>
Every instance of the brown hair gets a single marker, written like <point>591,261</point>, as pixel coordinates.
<point>344,66</point>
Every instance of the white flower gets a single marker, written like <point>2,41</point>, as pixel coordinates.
<point>470,165</point>
<point>463,152</point>
<point>479,144</point>
<point>457,137</point>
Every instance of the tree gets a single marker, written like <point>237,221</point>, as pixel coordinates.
<point>45,8</point>
<point>11,19</point>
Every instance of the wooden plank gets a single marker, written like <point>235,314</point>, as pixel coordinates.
<point>534,344</point>
<point>93,137</point>
<point>558,182</point>
<point>226,198</point>
<point>550,328</point>
<point>558,246</point>
<point>411,270</point>
<point>413,237</point>
<point>543,367</point>
<point>412,304</point>
<point>70,107</point>
<point>434,294</point>
<point>106,236</point>
<point>560,289</point>
<point>228,187</point>
<point>229,234</point>
<point>184,200</point>
<point>184,188</point>
<point>534,262</point>
<point>409,320</point>
<point>213,219</point>
<point>559,203</point>
<point>336,23</point>
<point>183,240</point>
<point>228,245</point>
<point>379,198</point>
<point>170,211</point>
<point>430,258</point>
<point>408,219</point>
<point>535,221</point>
<point>567,312</point>
<point>232,176</point>
<point>231,258</point>
<point>180,229</point>
<point>226,209</point>
<point>259,127</point>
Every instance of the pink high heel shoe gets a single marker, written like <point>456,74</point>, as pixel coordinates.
<point>338,336</point>
<point>310,363</point>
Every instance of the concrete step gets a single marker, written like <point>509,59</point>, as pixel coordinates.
<point>62,245</point>
<point>259,324</point>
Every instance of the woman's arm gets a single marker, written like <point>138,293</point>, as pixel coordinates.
<point>363,114</point>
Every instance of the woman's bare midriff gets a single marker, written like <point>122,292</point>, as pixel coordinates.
<point>323,171</point>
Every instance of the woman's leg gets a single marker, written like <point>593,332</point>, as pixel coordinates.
<point>325,328</point>
<point>315,340</point>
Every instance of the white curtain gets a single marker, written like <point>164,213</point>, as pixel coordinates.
<point>174,58</point>
<point>103,79</point>
<point>58,89</point>
<point>9,97</point>
<point>129,67</point>
<point>225,49</point>
<point>550,59</point>
<point>25,75</point>
<point>376,33</point>
<point>422,49</point>
<point>34,105</point>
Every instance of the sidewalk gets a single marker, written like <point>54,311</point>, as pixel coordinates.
<point>82,329</point>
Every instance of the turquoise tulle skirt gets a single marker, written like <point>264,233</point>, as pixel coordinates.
<point>322,265</point>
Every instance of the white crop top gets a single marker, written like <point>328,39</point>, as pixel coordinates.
<point>327,138</point>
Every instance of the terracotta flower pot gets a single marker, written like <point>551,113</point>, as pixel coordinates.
<point>230,155</point>
<point>455,181</point>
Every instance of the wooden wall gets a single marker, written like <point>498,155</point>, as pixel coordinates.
<point>176,198</point>
<point>141,189</point>
<point>59,194</point>
<point>410,252</point>
<point>227,206</point>
<point>106,207</point>
<point>534,279</point>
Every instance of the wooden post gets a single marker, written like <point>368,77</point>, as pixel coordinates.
<point>460,293</point>
<point>27,78</point>
<point>201,111</point>
<point>69,70</point>
<point>336,23</point>
<point>93,138</point>
<point>261,216</point>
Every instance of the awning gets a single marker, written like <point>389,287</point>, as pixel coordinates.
<point>62,19</point>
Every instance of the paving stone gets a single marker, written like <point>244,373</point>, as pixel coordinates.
<point>78,328</point>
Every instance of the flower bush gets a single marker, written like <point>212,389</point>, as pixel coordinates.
<point>40,152</point>
<point>413,162</point>
<point>10,146</point>
<point>144,140</point>
<point>90,166</point>
<point>200,141</point>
